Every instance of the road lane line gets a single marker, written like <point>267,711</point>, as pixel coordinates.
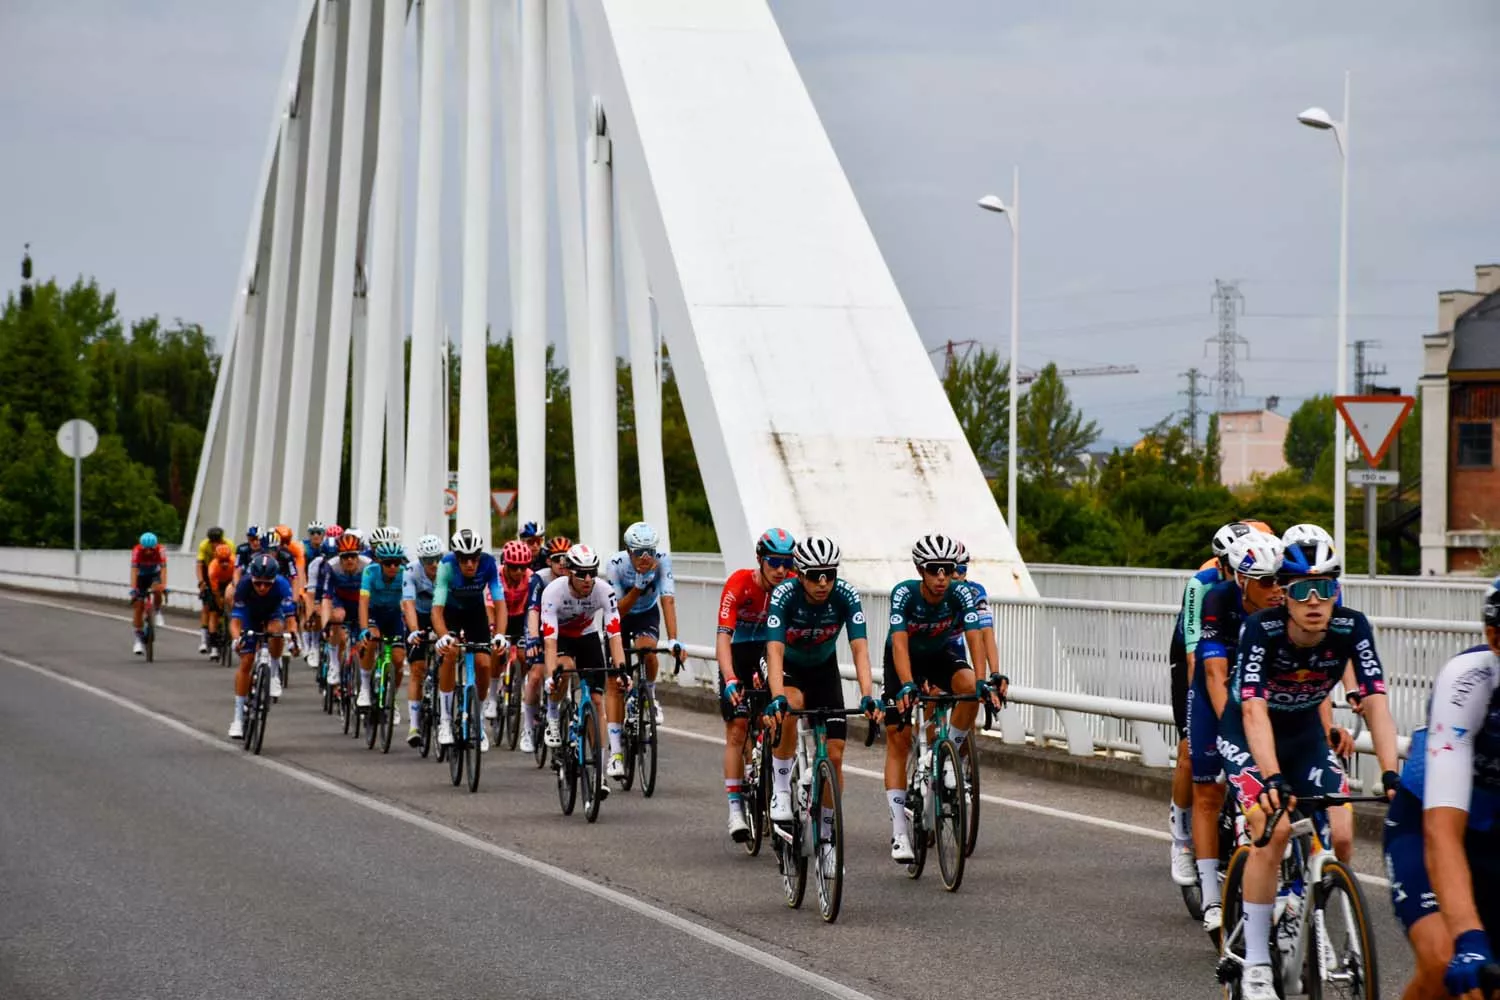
<point>1031,807</point>
<point>713,938</point>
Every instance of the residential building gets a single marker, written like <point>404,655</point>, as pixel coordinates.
<point>1460,389</point>
<point>1250,444</point>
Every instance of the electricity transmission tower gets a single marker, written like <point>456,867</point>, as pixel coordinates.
<point>1193,393</point>
<point>1363,370</point>
<point>1228,385</point>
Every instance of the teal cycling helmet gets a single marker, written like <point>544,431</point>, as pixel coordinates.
<point>148,541</point>
<point>389,550</point>
<point>775,542</point>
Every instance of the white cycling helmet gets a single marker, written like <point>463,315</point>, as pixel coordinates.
<point>1255,554</point>
<point>1225,536</point>
<point>937,548</point>
<point>816,552</point>
<point>316,527</point>
<point>467,542</point>
<point>384,535</point>
<point>582,557</point>
<point>429,547</point>
<point>641,537</point>
<point>1305,534</point>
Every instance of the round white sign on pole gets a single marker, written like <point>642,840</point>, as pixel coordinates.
<point>450,502</point>
<point>81,431</point>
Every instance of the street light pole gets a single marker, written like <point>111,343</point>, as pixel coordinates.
<point>1012,213</point>
<point>1319,119</point>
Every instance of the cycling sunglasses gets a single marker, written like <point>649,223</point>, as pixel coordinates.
<point>471,558</point>
<point>393,562</point>
<point>820,575</point>
<point>585,574</point>
<point>962,569</point>
<point>431,560</point>
<point>934,568</point>
<point>637,553</point>
<point>780,562</point>
<point>1302,590</point>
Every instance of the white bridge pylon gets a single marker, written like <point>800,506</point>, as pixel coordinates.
<point>695,168</point>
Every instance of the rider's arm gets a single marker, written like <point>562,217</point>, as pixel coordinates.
<point>1374,706</point>
<point>163,565</point>
<point>861,650</point>
<point>774,669</point>
<point>616,650</point>
<point>1448,867</point>
<point>498,613</point>
<point>900,651</point>
<point>729,600</point>
<point>776,639</point>
<point>1460,702</point>
<point>1217,679</point>
<point>1253,659</point>
<point>440,599</point>
<point>855,629</point>
<point>669,616</point>
<point>1257,720</point>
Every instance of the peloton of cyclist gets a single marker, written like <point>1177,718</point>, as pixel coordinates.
<point>1276,731</point>
<point>148,586</point>
<point>1442,836</point>
<point>740,648</point>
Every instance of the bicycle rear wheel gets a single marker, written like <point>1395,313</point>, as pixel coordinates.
<point>1231,941</point>
<point>262,704</point>
<point>630,741</point>
<point>828,829</point>
<point>970,760</point>
<point>473,723</point>
<point>916,816</point>
<point>150,631</point>
<point>565,761</point>
<point>791,862</point>
<point>755,789</point>
<point>949,817</point>
<point>513,703</point>
<point>592,763</point>
<point>646,746</point>
<point>1340,958</point>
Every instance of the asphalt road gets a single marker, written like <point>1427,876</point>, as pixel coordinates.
<point>141,854</point>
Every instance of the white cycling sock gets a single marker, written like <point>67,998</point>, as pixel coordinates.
<point>1208,880</point>
<point>364,678</point>
<point>494,687</point>
<point>782,776</point>
<point>446,697</point>
<point>554,711</point>
<point>615,731</point>
<point>528,715</point>
<point>895,799</point>
<point>415,707</point>
<point>1181,825</point>
<point>959,736</point>
<point>239,707</point>
<point>1258,933</point>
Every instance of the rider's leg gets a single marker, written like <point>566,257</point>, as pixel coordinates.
<point>447,674</point>
<point>614,711</point>
<point>965,712</point>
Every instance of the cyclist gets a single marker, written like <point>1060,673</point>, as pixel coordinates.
<point>259,600</point>
<point>1442,836</point>
<point>646,592</point>
<point>312,543</point>
<point>557,566</point>
<point>535,540</point>
<point>298,556</point>
<point>210,603</point>
<point>338,596</point>
<point>515,581</point>
<point>384,594</point>
<point>991,661</point>
<point>740,648</point>
<point>568,629</point>
<point>465,575</point>
<point>1276,731</point>
<point>803,620</point>
<point>220,579</point>
<point>927,614</point>
<point>242,553</point>
<point>327,555</point>
<point>1254,560</point>
<point>421,575</point>
<point>148,583</point>
<point>1182,658</point>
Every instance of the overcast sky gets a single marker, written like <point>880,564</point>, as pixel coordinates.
<point>1157,143</point>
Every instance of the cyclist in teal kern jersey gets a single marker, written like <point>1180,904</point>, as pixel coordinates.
<point>803,621</point>
<point>927,614</point>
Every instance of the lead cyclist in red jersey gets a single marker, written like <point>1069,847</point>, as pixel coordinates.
<point>739,648</point>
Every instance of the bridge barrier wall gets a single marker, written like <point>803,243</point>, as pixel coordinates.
<point>1091,675</point>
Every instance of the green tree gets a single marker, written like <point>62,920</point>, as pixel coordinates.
<point>1051,435</point>
<point>978,389</point>
<point>1308,435</point>
<point>1213,453</point>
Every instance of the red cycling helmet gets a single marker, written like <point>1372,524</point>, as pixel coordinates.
<point>333,532</point>
<point>515,553</point>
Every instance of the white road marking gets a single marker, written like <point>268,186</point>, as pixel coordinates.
<point>715,939</point>
<point>1019,804</point>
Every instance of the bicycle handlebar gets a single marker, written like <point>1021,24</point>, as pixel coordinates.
<point>824,714</point>
<point>1306,805</point>
<point>678,655</point>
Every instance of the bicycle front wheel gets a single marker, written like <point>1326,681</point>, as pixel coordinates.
<point>387,695</point>
<point>646,746</point>
<point>756,789</point>
<point>591,763</point>
<point>372,714</point>
<point>513,703</point>
<point>916,815</point>
<point>970,759</point>
<point>262,704</point>
<point>565,761</point>
<point>828,829</point>
<point>150,639</point>
<point>473,726</point>
<point>948,816</point>
<point>1341,946</point>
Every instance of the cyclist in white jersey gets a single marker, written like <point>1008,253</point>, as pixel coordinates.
<point>569,629</point>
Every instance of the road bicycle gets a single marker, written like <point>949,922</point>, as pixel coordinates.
<point>814,832</point>
<point>755,789</point>
<point>1322,939</point>
<point>580,759</point>
<point>382,710</point>
<point>508,699</point>
<point>258,702</point>
<point>152,601</point>
<point>936,800</point>
<point>463,754</point>
<point>639,738</point>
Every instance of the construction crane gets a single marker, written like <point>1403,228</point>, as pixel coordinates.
<point>957,352</point>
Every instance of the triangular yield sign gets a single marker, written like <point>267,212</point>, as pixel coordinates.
<point>1374,421</point>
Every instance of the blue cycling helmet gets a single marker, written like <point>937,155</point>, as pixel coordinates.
<point>530,530</point>
<point>1310,559</point>
<point>253,531</point>
<point>148,541</point>
<point>329,548</point>
<point>264,566</point>
<point>775,542</point>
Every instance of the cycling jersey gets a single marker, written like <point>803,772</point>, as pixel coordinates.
<point>454,590</point>
<point>567,616</point>
<point>1222,616</point>
<point>253,610</point>
<point>219,575</point>
<point>298,554</point>
<point>809,630</point>
<point>1191,617</point>
<point>244,551</point>
<point>1294,680</point>
<point>422,587</point>
<point>536,585</point>
<point>655,583</point>
<point>315,571</point>
<point>340,587</point>
<point>148,563</point>
<point>981,601</point>
<point>385,594</point>
<point>1454,761</point>
<point>205,552</point>
<point>743,606</point>
<point>515,597</point>
<point>930,626</point>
